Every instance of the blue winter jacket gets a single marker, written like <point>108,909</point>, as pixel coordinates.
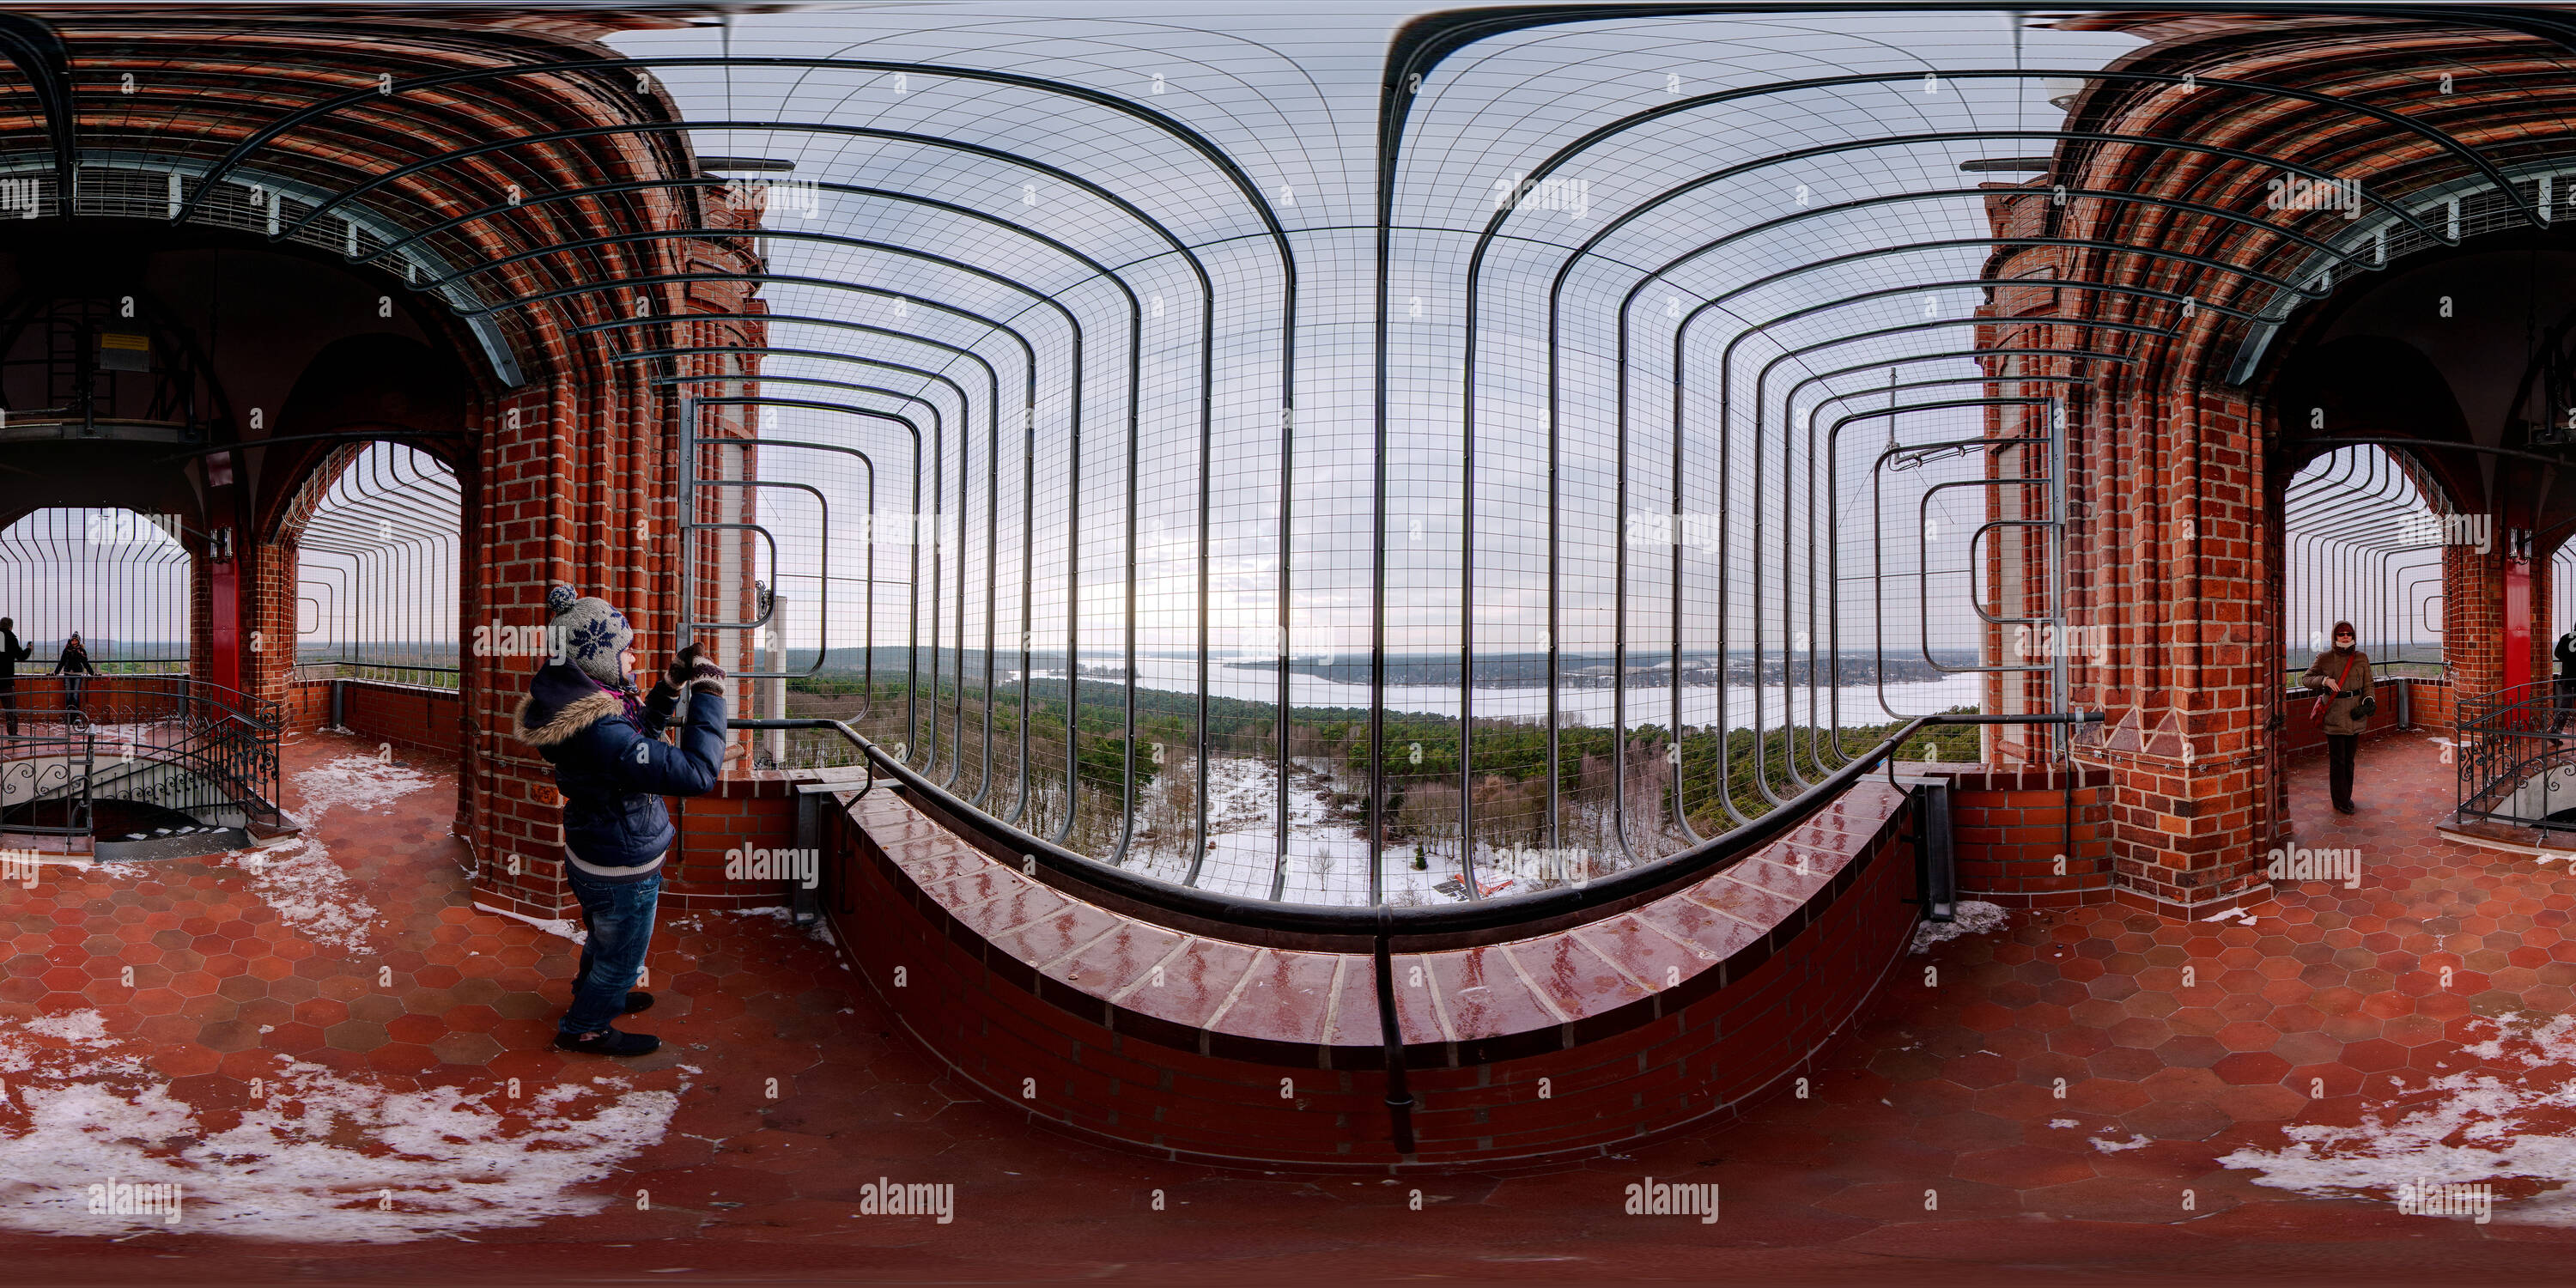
<point>614,775</point>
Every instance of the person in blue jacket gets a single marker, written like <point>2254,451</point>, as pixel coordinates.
<point>605,742</point>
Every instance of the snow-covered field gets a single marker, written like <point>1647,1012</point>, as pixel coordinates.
<point>1327,861</point>
<point>1648,703</point>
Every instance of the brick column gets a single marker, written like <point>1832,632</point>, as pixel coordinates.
<point>2473,618</point>
<point>527,528</point>
<point>2175,543</point>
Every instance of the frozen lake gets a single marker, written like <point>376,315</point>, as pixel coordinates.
<point>1585,706</point>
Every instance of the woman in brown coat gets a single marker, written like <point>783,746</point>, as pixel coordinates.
<point>2341,677</point>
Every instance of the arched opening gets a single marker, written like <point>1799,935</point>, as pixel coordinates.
<point>376,573</point>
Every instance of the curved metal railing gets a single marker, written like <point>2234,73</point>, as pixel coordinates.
<point>45,774</point>
<point>174,741</point>
<point>2516,754</point>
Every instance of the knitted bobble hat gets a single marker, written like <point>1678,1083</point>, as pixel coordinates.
<point>589,634</point>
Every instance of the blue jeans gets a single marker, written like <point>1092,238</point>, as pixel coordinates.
<point>620,920</point>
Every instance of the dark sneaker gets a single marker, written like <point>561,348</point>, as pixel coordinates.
<point>610,1042</point>
<point>638,1001</point>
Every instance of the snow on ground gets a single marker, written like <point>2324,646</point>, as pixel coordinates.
<point>310,892</point>
<point>1969,917</point>
<point>560,927</point>
<point>299,878</point>
<point>363,782</point>
<point>2493,1124</point>
<point>322,1158</point>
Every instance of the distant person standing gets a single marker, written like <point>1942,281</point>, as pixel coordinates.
<point>74,666</point>
<point>11,654</point>
<point>2341,676</point>
<point>2565,652</point>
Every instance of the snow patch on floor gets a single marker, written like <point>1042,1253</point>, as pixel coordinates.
<point>310,892</point>
<point>324,1158</point>
<point>556,926</point>
<point>2490,1124</point>
<point>363,782</point>
<point>299,878</point>
<point>1969,917</point>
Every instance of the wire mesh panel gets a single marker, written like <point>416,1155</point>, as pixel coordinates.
<point>1099,484</point>
<point>118,579</point>
<point>377,572</point>
<point>2363,544</point>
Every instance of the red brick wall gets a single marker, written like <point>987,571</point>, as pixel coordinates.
<point>1613,1081</point>
<point>742,814</point>
<point>306,708</point>
<point>400,714</point>
<point>2017,845</point>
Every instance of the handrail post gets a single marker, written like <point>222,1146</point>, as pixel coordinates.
<point>1399,1097</point>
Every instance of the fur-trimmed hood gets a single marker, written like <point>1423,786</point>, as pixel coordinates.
<point>562,702</point>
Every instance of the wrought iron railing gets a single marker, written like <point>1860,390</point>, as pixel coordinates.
<point>184,744</point>
<point>46,766</point>
<point>2516,753</point>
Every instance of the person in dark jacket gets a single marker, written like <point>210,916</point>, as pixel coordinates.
<point>605,743</point>
<point>2565,697</point>
<point>2341,677</point>
<point>11,654</point>
<point>74,666</point>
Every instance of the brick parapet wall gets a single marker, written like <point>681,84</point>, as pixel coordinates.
<point>2031,838</point>
<point>744,814</point>
<point>1580,1043</point>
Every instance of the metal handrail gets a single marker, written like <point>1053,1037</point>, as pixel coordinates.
<point>1715,853</point>
<point>2494,736</point>
<point>77,788</point>
<point>1381,922</point>
<point>230,740</point>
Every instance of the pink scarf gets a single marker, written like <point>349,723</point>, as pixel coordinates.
<point>626,697</point>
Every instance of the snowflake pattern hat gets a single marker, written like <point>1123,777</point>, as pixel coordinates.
<point>589,634</point>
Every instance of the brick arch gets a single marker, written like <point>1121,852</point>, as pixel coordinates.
<point>558,469</point>
<point>2177,554</point>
